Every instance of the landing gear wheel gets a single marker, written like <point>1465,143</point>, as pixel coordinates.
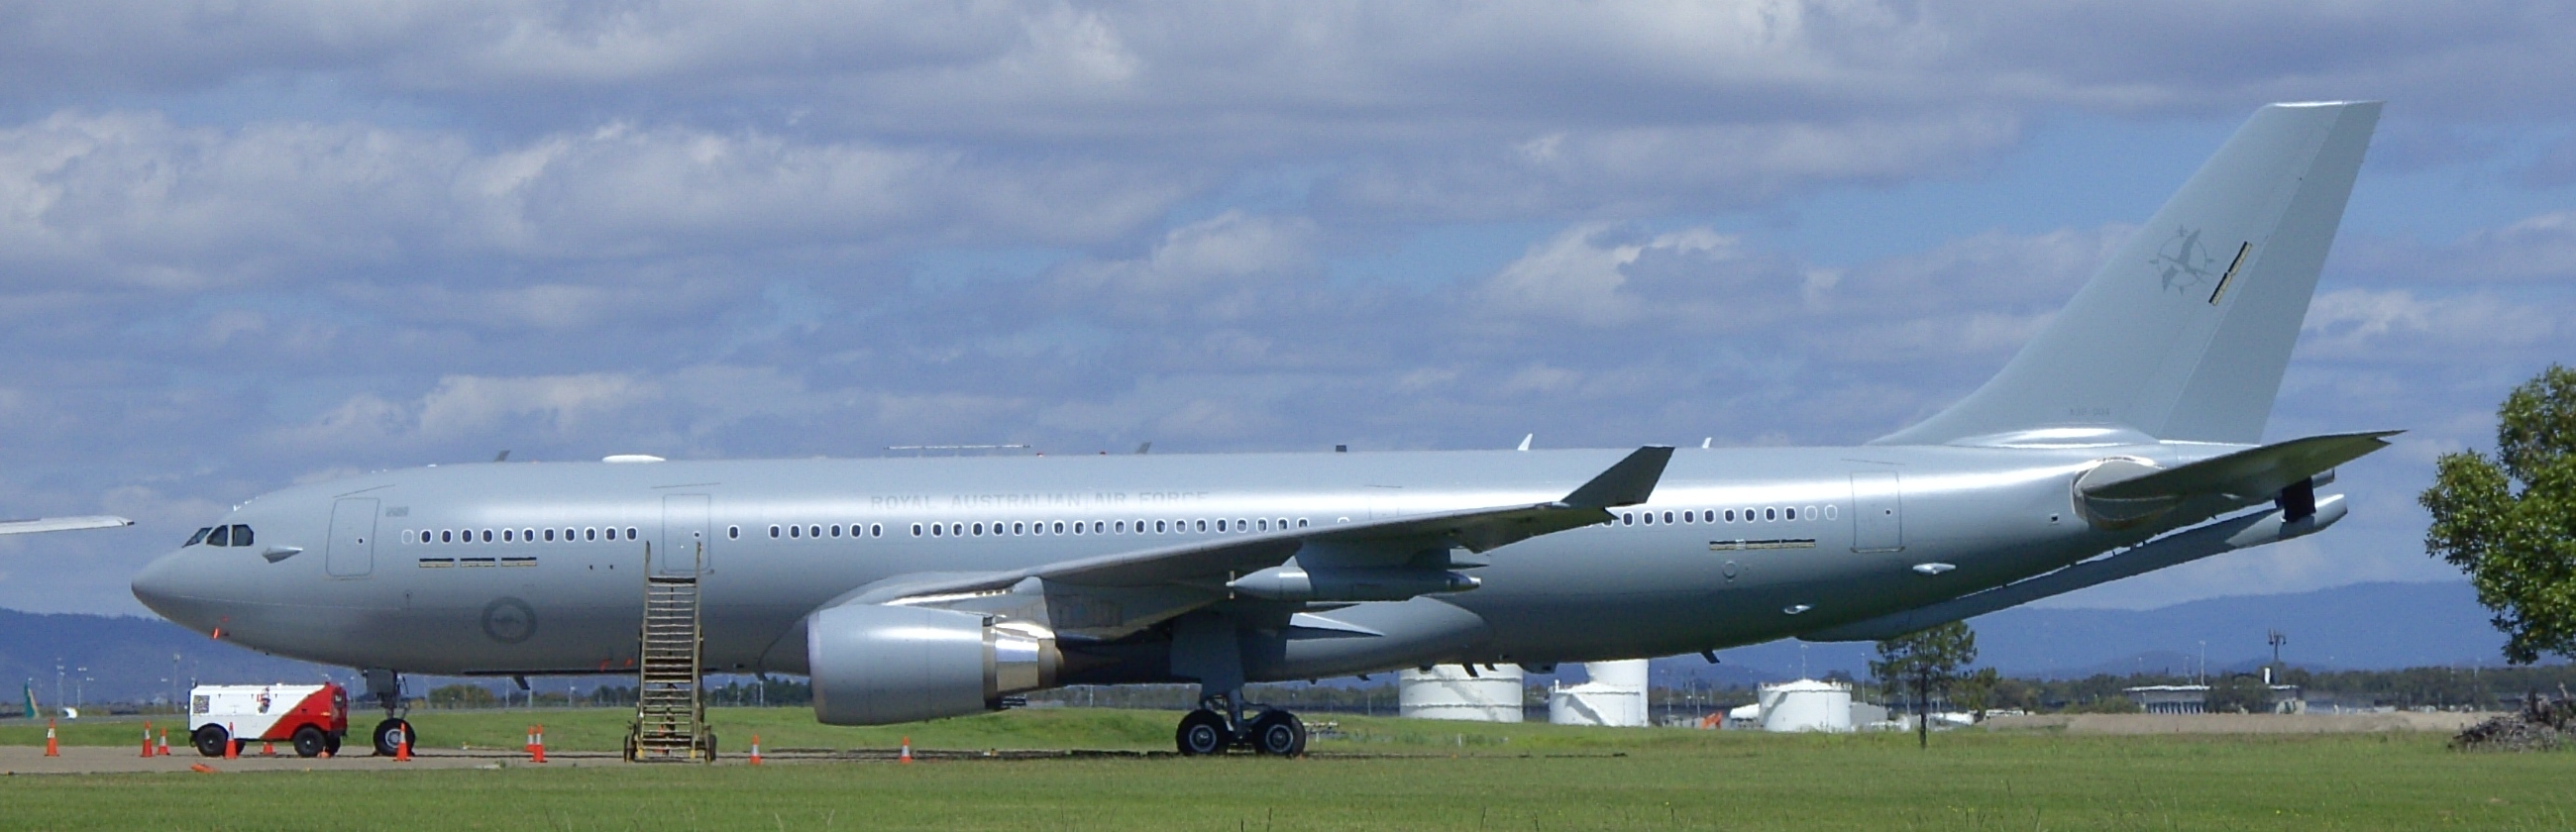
<point>210,740</point>
<point>390,734</point>
<point>1203,732</point>
<point>1279,733</point>
<point>309,742</point>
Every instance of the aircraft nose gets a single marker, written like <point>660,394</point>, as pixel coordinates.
<point>163,586</point>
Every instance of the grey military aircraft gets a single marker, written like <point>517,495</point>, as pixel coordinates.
<point>2123,438</point>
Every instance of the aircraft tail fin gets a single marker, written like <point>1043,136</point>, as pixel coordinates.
<point>2185,332</point>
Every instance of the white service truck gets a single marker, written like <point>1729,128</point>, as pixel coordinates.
<point>312,717</point>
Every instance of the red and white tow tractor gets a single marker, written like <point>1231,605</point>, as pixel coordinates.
<point>313,718</point>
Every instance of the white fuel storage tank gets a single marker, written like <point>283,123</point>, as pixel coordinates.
<point>1447,691</point>
<point>1615,696</point>
<point>1806,705</point>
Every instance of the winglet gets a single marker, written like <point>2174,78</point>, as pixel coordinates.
<point>1627,483</point>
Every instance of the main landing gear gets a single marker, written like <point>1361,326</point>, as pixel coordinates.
<point>1218,725</point>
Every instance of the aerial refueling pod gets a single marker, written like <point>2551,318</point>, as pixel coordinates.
<point>878,665</point>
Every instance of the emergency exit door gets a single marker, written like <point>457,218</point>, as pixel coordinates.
<point>1878,512</point>
<point>352,550</point>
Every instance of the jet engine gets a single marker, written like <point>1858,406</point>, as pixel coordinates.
<point>877,665</point>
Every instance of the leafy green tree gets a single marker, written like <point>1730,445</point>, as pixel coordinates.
<point>1941,654</point>
<point>2239,693</point>
<point>462,696</point>
<point>1927,660</point>
<point>2509,520</point>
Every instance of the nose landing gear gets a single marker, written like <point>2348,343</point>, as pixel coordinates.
<point>386,687</point>
<point>1218,726</point>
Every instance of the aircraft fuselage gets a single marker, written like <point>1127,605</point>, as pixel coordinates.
<point>537,568</point>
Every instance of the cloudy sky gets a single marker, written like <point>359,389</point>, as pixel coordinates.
<point>251,243</point>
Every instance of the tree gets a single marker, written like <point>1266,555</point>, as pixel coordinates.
<point>2509,520</point>
<point>1928,659</point>
<point>2238,693</point>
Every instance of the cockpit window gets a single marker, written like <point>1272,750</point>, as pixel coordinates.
<point>221,536</point>
<point>241,535</point>
<point>199,537</point>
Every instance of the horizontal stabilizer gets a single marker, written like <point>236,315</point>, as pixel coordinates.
<point>2249,530</point>
<point>2247,475</point>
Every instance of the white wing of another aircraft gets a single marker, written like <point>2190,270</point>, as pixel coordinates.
<point>62,524</point>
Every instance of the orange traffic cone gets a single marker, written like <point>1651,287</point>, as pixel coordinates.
<point>402,750</point>
<point>755,749</point>
<point>52,748</point>
<point>232,746</point>
<point>147,739</point>
<point>165,743</point>
<point>537,744</point>
<point>906,756</point>
<point>267,748</point>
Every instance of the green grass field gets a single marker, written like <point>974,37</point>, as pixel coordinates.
<point>1432,776</point>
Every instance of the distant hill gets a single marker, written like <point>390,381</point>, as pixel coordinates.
<point>2360,627</point>
<point>2375,626</point>
<point>129,659</point>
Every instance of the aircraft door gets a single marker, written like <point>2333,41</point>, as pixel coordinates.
<point>684,529</point>
<point>1878,512</point>
<point>351,551</point>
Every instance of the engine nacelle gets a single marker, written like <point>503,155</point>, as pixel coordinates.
<point>876,665</point>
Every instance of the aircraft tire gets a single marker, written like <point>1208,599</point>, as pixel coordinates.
<point>1203,732</point>
<point>1279,733</point>
<point>209,740</point>
<point>389,736</point>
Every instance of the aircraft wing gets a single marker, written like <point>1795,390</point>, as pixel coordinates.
<point>1142,587</point>
<point>61,524</point>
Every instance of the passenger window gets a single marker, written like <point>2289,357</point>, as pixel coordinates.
<point>445,536</point>
<point>1626,519</point>
<point>1793,512</point>
<point>1770,514</point>
<point>241,535</point>
<point>876,530</point>
<point>1301,522</point>
<point>1202,525</point>
<point>1811,512</point>
<point>1668,518</point>
<point>1830,512</point>
<point>505,536</point>
<point>916,530</point>
<point>550,535</point>
<point>1016,528</point>
<point>775,531</point>
<point>1220,524</point>
<point>733,532</point>
<point>934,530</point>
<point>1730,515</point>
<point>1158,529</point>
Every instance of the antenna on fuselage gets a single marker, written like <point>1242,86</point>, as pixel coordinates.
<point>503,456</point>
<point>1143,447</point>
<point>1525,440</point>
